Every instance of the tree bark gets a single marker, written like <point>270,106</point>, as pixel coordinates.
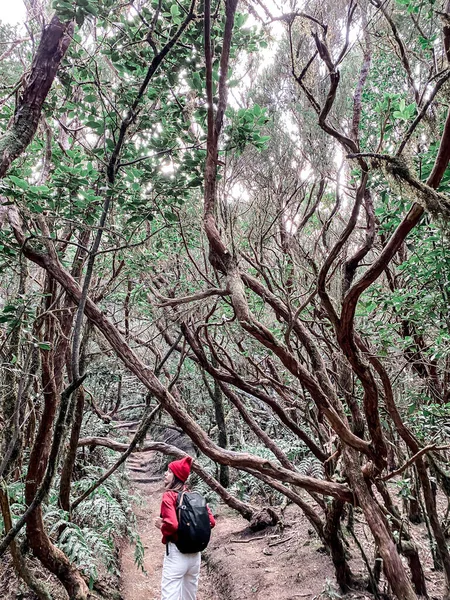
<point>50,556</point>
<point>392,564</point>
<point>53,45</point>
<point>409,549</point>
<point>224,475</point>
<point>69,462</point>
<point>19,562</point>
<point>438,532</point>
<point>217,398</point>
<point>332,534</point>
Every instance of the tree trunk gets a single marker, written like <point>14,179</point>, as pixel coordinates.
<point>69,462</point>
<point>51,557</point>
<point>439,536</point>
<point>406,546</point>
<point>392,563</point>
<point>224,473</point>
<point>54,42</point>
<point>19,563</point>
<point>332,534</point>
<point>409,549</point>
<point>414,512</point>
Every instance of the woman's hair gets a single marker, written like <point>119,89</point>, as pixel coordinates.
<point>177,484</point>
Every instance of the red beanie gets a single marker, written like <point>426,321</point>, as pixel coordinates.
<point>181,468</point>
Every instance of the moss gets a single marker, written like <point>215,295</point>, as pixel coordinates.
<point>14,142</point>
<point>404,183</point>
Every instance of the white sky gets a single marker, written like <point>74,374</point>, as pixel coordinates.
<point>12,11</point>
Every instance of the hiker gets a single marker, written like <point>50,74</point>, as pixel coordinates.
<point>181,569</point>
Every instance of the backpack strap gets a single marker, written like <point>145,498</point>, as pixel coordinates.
<point>180,499</point>
<point>179,503</point>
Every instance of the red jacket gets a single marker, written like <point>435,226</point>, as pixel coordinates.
<point>169,525</point>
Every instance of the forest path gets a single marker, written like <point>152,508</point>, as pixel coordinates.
<point>230,571</point>
<point>137,585</point>
<point>239,564</point>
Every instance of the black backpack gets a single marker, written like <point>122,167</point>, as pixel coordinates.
<point>194,528</point>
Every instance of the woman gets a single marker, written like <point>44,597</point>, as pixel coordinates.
<point>180,571</point>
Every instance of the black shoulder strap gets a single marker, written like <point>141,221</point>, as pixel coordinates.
<point>180,499</point>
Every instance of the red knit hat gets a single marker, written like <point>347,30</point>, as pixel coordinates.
<point>181,468</point>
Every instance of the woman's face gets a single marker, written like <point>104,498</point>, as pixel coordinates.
<point>168,478</point>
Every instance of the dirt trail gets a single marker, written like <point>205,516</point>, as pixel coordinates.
<point>284,565</point>
<point>270,564</point>
<point>288,564</point>
<point>137,585</point>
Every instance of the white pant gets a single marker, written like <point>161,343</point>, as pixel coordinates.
<point>180,575</point>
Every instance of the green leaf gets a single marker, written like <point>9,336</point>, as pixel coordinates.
<point>197,82</point>
<point>19,182</point>
<point>91,9</point>
<point>410,109</point>
<point>240,20</point>
<point>39,189</point>
<point>79,17</point>
<point>172,217</point>
<point>10,308</point>
<point>45,345</point>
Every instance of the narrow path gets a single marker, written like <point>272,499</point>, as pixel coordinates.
<point>274,564</point>
<point>137,585</point>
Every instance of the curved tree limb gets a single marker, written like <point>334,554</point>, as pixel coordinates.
<point>168,402</point>
<point>246,510</point>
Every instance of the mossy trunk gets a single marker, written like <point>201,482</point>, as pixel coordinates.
<point>53,45</point>
<point>333,538</point>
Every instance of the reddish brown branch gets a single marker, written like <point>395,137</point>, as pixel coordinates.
<point>53,45</point>
<point>192,298</point>
<point>246,510</point>
<point>409,462</point>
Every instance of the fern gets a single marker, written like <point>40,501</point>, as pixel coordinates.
<point>16,495</point>
<point>104,513</point>
<point>312,467</point>
<point>89,540</point>
<point>138,552</point>
<point>86,548</point>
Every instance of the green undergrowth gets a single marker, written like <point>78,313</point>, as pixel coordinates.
<point>92,534</point>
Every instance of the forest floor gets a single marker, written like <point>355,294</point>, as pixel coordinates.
<point>287,563</point>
